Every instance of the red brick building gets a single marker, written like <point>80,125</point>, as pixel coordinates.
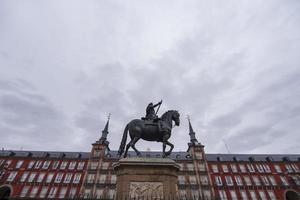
<point>39,174</point>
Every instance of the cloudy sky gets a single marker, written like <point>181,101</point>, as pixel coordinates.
<point>233,66</point>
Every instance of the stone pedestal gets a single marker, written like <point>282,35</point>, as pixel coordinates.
<point>143,178</point>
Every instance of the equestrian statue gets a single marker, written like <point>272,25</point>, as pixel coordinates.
<point>150,128</point>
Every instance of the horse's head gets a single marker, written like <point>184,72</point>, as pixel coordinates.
<point>176,117</point>
<point>171,115</point>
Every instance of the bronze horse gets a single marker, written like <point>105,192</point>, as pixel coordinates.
<point>141,129</point>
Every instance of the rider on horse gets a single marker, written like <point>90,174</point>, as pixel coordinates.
<point>150,112</point>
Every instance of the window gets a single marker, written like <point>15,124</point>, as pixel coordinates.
<point>225,168</point>
<point>99,193</point>
<point>31,177</point>
<point>250,168</point>
<point>19,164</point>
<point>52,192</point>
<point>24,176</point>
<point>62,193</point>
<point>233,195</point>
<point>247,180</point>
<point>234,168</point>
<point>63,165</point>
<point>295,168</point>
<point>271,195</point>
<point>193,180</point>
<point>72,192</point>
<point>195,194</point>
<point>215,168</point>
<point>80,165</point>
<point>278,168</point>
<point>72,165</point>
<point>96,153</point>
<point>68,178</point>
<point>253,195</point>
<point>244,195</point>
<point>190,167</point>
<point>181,180</point>
<point>289,168</point>
<point>228,180</point>
<point>111,194</point>
<point>260,168</point>
<point>102,178</point>
<point>222,195</point>
<point>58,177</point>
<point>43,192</point>
<point>207,194</point>
<point>182,194</point>
<point>41,177</point>
<point>12,176</point>
<point>113,179</point>
<point>49,177</point>
<point>267,168</point>
<point>90,178</point>
<point>37,164</point>
<point>218,180</point>
<point>256,180</point>
<point>272,179</point>
<point>30,165</point>
<point>284,181</point>
<point>46,164</point>
<point>242,168</point>
<point>77,178</point>
<point>87,193</point>
<point>55,165</point>
<point>24,191</point>
<point>34,191</point>
<point>238,180</point>
<point>265,180</point>
<point>8,163</point>
<point>204,180</point>
<point>198,155</point>
<point>262,195</point>
<point>201,167</point>
<point>93,165</point>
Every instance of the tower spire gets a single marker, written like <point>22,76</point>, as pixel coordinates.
<point>103,139</point>
<point>191,132</point>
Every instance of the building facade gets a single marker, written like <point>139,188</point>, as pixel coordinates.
<point>91,175</point>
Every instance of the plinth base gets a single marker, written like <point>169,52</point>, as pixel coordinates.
<point>151,178</point>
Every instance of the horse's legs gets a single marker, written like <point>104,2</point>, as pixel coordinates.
<point>171,145</point>
<point>133,145</point>
<point>164,147</point>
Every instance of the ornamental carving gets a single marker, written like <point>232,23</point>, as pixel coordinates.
<point>146,189</point>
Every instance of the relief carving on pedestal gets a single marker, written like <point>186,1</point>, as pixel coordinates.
<point>146,189</point>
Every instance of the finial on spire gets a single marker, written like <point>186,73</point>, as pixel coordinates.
<point>191,132</point>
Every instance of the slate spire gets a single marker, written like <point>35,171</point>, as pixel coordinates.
<point>192,133</point>
<point>103,139</point>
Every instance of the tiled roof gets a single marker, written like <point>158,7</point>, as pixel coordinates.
<point>175,155</point>
<point>44,154</point>
<point>253,157</point>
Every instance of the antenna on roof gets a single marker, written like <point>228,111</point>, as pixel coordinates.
<point>226,146</point>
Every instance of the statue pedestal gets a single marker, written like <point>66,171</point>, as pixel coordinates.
<point>142,178</point>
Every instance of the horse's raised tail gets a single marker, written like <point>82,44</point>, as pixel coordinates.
<point>123,142</point>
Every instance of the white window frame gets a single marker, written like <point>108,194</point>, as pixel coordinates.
<point>49,177</point>
<point>24,176</point>
<point>229,180</point>
<point>215,168</point>
<point>80,165</point>
<point>238,180</point>
<point>34,191</point>
<point>46,164</point>
<point>218,180</point>
<point>19,164</point>
<point>12,175</point>
<point>72,165</point>
<point>31,177</point>
<point>31,164</point>
<point>68,178</point>
<point>52,192</point>
<point>63,165</point>
<point>77,178</point>
<point>59,177</point>
<point>24,191</point>
<point>43,191</point>
<point>225,168</point>
<point>234,168</point>
<point>41,177</point>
